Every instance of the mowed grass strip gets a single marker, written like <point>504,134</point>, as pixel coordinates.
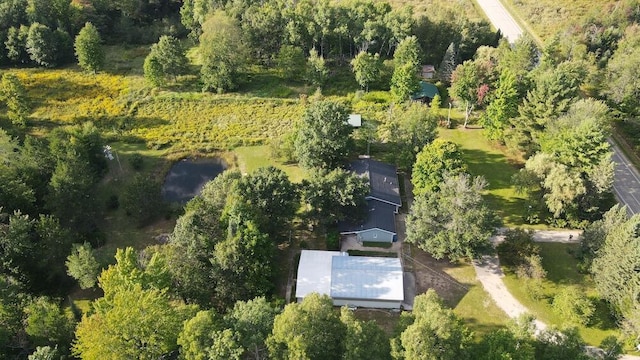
<point>562,271</point>
<point>482,158</point>
<point>251,158</point>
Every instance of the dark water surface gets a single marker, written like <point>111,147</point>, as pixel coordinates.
<point>187,177</point>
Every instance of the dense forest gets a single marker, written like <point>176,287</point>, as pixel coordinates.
<point>210,292</point>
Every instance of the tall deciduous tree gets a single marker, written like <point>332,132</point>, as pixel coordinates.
<point>243,265</point>
<point>434,332</point>
<point>117,330</point>
<point>411,127</point>
<point>291,62</point>
<point>434,161</point>
<point>223,53</point>
<point>142,200</point>
<point>464,87</point>
<point>47,47</point>
<point>308,330</point>
<point>323,140</point>
<point>13,93</point>
<point>408,52</point>
<point>366,68</point>
<point>615,268</point>
<point>169,55</point>
<point>336,195</point>
<point>621,77</point>
<point>16,44</point>
<point>404,82</point>
<point>573,173</point>
<point>316,69</point>
<point>453,221</point>
<point>197,334</point>
<point>47,324</point>
<point>89,51</point>
<point>270,197</point>
<point>252,321</point>
<point>363,340</point>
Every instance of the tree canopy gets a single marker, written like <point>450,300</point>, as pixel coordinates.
<point>89,51</point>
<point>452,221</point>
<point>323,139</point>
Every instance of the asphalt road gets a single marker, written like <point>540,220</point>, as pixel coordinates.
<point>626,181</point>
<point>501,19</point>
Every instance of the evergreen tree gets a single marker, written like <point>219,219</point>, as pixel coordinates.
<point>448,64</point>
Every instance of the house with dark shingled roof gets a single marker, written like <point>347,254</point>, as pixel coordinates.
<point>383,202</point>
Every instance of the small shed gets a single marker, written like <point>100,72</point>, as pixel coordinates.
<point>428,72</point>
<point>355,120</point>
<point>426,93</point>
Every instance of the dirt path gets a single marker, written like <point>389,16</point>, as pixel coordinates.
<point>490,275</point>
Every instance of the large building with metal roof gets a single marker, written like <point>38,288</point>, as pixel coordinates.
<point>360,281</point>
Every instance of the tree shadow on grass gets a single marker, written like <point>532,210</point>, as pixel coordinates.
<point>602,318</point>
<point>512,211</point>
<point>495,168</point>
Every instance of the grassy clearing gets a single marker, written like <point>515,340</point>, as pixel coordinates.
<point>562,271</point>
<point>476,308</point>
<point>119,229</point>
<point>251,158</point>
<point>484,159</point>
<point>462,8</point>
<point>548,17</point>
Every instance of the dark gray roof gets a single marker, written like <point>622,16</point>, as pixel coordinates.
<point>383,179</point>
<point>381,215</point>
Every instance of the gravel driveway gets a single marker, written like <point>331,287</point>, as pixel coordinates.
<point>490,275</point>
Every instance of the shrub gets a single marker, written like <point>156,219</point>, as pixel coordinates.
<point>142,201</point>
<point>573,306</point>
<point>517,246</point>
<point>113,203</point>
<point>136,161</point>
<point>333,240</point>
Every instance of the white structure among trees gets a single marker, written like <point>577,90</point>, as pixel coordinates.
<point>361,281</point>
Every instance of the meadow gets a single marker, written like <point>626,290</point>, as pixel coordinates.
<point>548,17</point>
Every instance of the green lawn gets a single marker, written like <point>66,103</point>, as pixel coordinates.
<point>476,308</point>
<point>482,158</point>
<point>251,158</point>
<point>562,271</point>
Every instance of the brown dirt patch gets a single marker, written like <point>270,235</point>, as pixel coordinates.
<point>430,274</point>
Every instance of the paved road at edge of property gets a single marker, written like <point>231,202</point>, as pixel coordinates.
<point>501,19</point>
<point>626,181</point>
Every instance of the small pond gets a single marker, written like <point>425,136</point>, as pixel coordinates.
<point>187,177</point>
